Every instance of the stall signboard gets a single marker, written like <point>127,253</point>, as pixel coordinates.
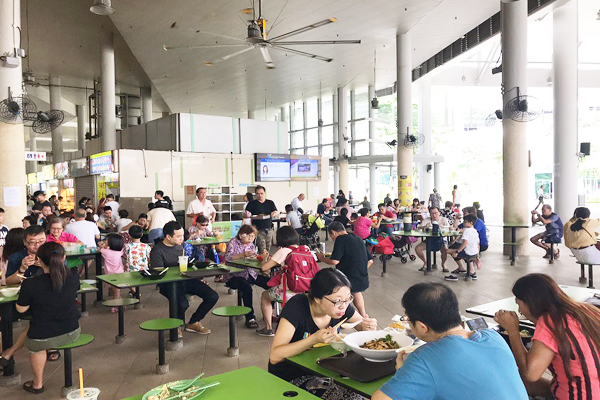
<point>32,178</point>
<point>48,172</point>
<point>35,155</point>
<point>101,163</point>
<point>227,229</point>
<point>61,170</point>
<point>40,177</point>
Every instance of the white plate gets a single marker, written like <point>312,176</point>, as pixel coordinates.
<point>357,339</point>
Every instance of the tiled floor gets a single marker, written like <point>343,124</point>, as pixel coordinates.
<point>126,369</point>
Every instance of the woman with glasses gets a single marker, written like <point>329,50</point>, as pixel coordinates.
<point>56,233</point>
<point>308,319</point>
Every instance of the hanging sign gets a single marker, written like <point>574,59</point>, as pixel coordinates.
<point>35,155</point>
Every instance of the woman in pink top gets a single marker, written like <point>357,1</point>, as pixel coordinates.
<point>57,233</point>
<point>566,340</point>
<point>112,253</point>
<point>363,224</point>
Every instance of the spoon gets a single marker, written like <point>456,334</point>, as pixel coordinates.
<point>182,386</point>
<point>350,325</point>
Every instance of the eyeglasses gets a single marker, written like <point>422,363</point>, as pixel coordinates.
<point>203,224</point>
<point>60,228</point>
<point>36,242</point>
<point>340,303</point>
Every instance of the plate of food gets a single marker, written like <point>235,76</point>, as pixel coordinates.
<point>166,390</point>
<point>377,346</point>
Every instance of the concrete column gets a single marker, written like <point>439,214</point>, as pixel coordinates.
<point>80,111</point>
<point>320,129</point>
<point>342,139</point>
<point>285,117</point>
<point>165,114</point>
<point>515,157</point>
<point>373,194</point>
<point>107,54</point>
<point>404,83</point>
<point>437,176</point>
<point>565,88</point>
<point>12,136</point>
<point>56,104</point>
<point>426,178</point>
<point>304,126</point>
<point>146,95</point>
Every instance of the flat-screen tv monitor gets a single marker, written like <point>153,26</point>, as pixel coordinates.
<point>305,168</point>
<point>272,167</point>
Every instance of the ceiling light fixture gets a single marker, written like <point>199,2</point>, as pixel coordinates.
<point>102,7</point>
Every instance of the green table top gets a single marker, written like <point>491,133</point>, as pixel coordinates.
<point>84,339</point>
<point>133,279</point>
<point>161,324</point>
<point>84,288</point>
<point>425,234</point>
<point>231,311</point>
<point>86,252</point>
<point>250,262</point>
<point>209,241</point>
<point>251,383</point>
<point>308,360</point>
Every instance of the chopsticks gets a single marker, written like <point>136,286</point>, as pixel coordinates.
<point>339,323</point>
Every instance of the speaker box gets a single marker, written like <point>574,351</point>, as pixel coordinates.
<point>584,148</point>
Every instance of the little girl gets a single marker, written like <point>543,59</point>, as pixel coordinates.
<point>112,253</point>
<point>238,248</point>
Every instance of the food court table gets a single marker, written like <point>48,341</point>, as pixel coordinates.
<point>172,276</point>
<point>250,383</point>
<point>426,236</point>
<point>308,361</point>
<point>207,241</point>
<point>509,304</point>
<point>6,323</point>
<point>90,254</point>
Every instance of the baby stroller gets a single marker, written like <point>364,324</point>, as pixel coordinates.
<point>402,246</point>
<point>310,236</point>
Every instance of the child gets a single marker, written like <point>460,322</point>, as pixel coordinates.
<point>238,248</point>
<point>293,218</point>
<point>112,253</point>
<point>363,224</point>
<point>137,253</point>
<point>288,245</point>
<point>468,248</point>
<point>3,231</point>
<point>353,218</point>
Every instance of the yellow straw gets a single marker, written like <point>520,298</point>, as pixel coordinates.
<point>81,381</point>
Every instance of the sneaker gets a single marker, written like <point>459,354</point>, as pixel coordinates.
<point>197,327</point>
<point>474,277</point>
<point>265,332</point>
<point>451,278</point>
<point>458,271</point>
<point>252,324</point>
<point>179,333</point>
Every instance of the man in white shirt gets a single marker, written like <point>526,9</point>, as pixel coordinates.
<point>110,202</point>
<point>202,206</point>
<point>86,231</point>
<point>157,219</point>
<point>297,203</point>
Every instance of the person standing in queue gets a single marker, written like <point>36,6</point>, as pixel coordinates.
<point>262,207</point>
<point>166,254</point>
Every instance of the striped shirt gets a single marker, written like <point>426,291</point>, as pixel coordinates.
<point>585,364</point>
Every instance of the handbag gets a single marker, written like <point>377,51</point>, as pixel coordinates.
<point>593,237</point>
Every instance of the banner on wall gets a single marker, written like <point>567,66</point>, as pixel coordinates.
<point>405,190</point>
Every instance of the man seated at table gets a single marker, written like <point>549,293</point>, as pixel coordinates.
<point>107,221</point>
<point>19,263</point>
<point>454,363</point>
<point>387,218</point>
<point>436,243</point>
<point>166,254</point>
<point>553,232</point>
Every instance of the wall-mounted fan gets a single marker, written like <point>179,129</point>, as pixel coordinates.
<point>523,108</point>
<point>257,38</point>
<point>21,109</point>
<point>412,141</point>
<point>492,118</point>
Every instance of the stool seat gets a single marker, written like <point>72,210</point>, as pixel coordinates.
<point>83,340</point>
<point>125,301</point>
<point>583,279</point>
<point>161,324</point>
<point>231,311</point>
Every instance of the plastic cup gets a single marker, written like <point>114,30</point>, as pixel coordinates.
<point>183,263</point>
<point>88,394</point>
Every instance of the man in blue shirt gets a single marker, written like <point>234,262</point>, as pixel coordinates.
<point>454,363</point>
<point>25,262</point>
<point>553,232</point>
<point>479,227</point>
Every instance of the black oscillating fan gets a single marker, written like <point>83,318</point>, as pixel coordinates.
<point>45,121</point>
<point>523,108</point>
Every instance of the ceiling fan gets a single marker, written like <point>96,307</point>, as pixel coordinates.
<point>257,38</point>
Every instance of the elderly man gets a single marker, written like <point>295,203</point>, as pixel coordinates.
<point>436,243</point>
<point>86,231</point>
<point>455,363</point>
<point>553,232</point>
<point>297,203</point>
<point>265,209</point>
<point>202,206</point>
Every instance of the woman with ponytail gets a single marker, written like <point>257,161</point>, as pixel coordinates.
<point>50,298</point>
<point>580,236</point>
<point>566,340</point>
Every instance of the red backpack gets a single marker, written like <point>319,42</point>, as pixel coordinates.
<point>298,270</point>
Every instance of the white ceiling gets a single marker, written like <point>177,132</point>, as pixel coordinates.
<point>243,83</point>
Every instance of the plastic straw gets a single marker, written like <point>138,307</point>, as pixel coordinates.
<point>81,382</point>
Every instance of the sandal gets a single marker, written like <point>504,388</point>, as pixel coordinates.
<point>445,269</point>
<point>52,355</point>
<point>28,386</point>
<point>422,268</point>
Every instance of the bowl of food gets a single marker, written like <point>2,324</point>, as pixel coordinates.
<point>377,346</point>
<point>9,291</point>
<point>525,332</point>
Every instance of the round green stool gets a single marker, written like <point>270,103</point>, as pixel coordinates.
<point>83,340</point>
<point>161,325</point>
<point>120,304</point>
<point>232,312</point>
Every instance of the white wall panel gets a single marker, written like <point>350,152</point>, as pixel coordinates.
<point>259,136</point>
<point>208,134</point>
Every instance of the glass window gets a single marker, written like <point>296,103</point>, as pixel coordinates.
<point>312,137</point>
<point>327,151</point>
<point>298,121</point>
<point>327,109</point>
<point>361,105</point>
<point>312,115</point>
<point>297,139</point>
<point>327,135</point>
<point>361,132</point>
<point>313,151</point>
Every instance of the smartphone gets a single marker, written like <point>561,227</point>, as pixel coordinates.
<point>477,324</point>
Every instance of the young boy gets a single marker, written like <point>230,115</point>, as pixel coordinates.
<point>293,218</point>
<point>137,253</point>
<point>468,248</point>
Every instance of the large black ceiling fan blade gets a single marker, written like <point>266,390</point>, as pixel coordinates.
<point>227,57</point>
<point>237,39</point>
<point>313,42</point>
<point>207,46</point>
<point>301,53</point>
<point>305,29</point>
